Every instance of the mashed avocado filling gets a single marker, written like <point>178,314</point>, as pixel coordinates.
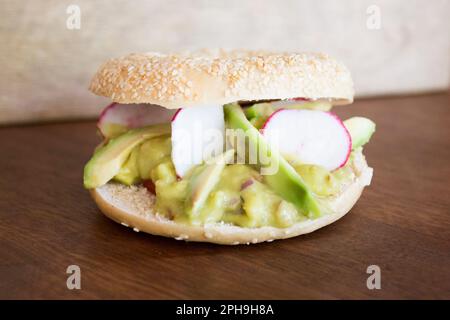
<point>240,195</point>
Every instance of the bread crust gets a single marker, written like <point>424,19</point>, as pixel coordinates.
<point>121,210</point>
<point>220,77</point>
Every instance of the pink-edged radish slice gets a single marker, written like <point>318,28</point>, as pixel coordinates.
<point>310,137</point>
<point>197,135</point>
<point>118,118</point>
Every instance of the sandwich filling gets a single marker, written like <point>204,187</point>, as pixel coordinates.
<point>316,159</point>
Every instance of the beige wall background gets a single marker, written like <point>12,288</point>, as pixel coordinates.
<point>46,68</point>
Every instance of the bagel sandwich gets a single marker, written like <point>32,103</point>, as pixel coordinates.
<point>252,152</point>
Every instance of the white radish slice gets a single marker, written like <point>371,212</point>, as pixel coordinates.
<point>117,117</point>
<point>197,135</point>
<point>310,137</point>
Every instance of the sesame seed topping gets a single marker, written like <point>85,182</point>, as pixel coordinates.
<point>221,76</point>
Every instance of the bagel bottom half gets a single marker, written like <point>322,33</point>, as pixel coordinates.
<point>134,207</point>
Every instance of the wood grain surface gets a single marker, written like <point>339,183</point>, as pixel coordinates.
<point>401,223</point>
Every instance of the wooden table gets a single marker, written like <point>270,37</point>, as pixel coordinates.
<point>401,224</point>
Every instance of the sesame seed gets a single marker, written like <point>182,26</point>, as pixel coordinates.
<point>175,79</point>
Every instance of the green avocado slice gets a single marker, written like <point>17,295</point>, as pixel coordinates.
<point>129,172</point>
<point>360,129</point>
<point>203,181</point>
<point>285,181</point>
<point>109,158</point>
<point>259,110</point>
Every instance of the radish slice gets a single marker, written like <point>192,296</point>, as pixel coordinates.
<point>310,137</point>
<point>197,135</point>
<point>117,118</point>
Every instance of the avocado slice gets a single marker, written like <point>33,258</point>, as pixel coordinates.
<point>203,180</point>
<point>258,113</point>
<point>259,110</point>
<point>109,158</point>
<point>112,130</point>
<point>129,172</point>
<point>151,153</point>
<point>360,129</point>
<point>285,181</point>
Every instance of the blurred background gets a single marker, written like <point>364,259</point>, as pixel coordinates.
<point>51,48</point>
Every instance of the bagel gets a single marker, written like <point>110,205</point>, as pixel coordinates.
<point>220,77</point>
<point>134,207</point>
<point>216,78</point>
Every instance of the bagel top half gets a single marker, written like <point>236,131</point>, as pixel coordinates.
<point>220,77</point>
